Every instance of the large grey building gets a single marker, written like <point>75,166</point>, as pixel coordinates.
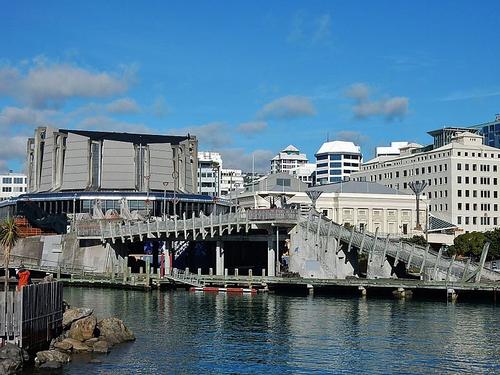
<point>80,160</point>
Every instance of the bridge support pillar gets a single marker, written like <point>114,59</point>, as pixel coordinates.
<point>167,259</point>
<point>271,257</point>
<point>362,290</point>
<point>219,258</point>
<point>451,295</point>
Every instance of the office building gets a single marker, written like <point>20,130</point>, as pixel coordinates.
<point>231,181</point>
<point>209,173</point>
<point>305,173</point>
<point>336,160</point>
<point>461,176</point>
<point>490,132</point>
<point>12,185</point>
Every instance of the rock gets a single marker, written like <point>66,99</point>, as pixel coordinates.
<point>64,346</point>
<point>114,331</point>
<point>77,346</point>
<point>72,315</point>
<point>91,342</point>
<point>101,347</point>
<point>83,329</point>
<point>12,359</point>
<point>51,356</point>
<point>51,365</point>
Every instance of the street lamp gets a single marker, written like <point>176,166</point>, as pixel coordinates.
<point>314,195</point>
<point>418,187</point>
<point>175,176</point>
<point>165,183</point>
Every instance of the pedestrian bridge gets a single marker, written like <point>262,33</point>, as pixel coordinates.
<point>313,229</point>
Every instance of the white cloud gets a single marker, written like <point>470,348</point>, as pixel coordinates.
<point>252,127</point>
<point>351,136</point>
<point>13,148</point>
<point>159,108</point>
<point>10,116</point>
<point>212,135</point>
<point>46,85</point>
<point>287,107</point>
<point>104,123</point>
<point>323,28</point>
<point>123,106</point>
<point>237,158</point>
<point>391,108</point>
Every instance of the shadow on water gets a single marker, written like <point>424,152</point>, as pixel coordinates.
<point>190,333</point>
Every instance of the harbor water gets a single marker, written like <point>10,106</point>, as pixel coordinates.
<point>190,333</point>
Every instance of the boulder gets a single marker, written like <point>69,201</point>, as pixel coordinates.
<point>83,329</point>
<point>51,365</point>
<point>12,359</point>
<point>77,346</point>
<point>72,315</point>
<point>51,356</point>
<point>91,342</point>
<point>64,346</point>
<point>114,331</point>
<point>101,347</point>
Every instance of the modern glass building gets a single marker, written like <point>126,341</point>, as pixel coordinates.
<point>490,132</point>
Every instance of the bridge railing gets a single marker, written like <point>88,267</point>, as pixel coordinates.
<point>272,214</point>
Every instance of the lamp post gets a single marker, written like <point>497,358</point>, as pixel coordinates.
<point>314,196</point>
<point>165,184</point>
<point>175,175</point>
<point>418,187</point>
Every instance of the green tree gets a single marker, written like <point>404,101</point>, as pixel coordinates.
<point>468,244</point>
<point>9,234</point>
<point>493,237</point>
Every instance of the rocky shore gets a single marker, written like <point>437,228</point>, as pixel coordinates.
<point>82,333</point>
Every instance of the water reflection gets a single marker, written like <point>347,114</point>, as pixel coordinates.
<point>188,333</point>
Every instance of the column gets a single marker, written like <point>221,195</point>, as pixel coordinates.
<point>219,258</point>
<point>271,256</point>
<point>167,257</point>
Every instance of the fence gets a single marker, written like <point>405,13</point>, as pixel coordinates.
<point>32,316</point>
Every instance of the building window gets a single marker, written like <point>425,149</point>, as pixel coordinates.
<point>18,180</point>
<point>6,189</point>
<point>459,179</point>
<point>459,219</point>
<point>7,180</point>
<point>283,182</point>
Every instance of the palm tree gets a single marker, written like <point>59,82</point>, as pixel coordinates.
<point>9,234</point>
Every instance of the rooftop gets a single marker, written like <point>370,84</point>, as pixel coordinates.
<point>339,146</point>
<point>129,137</point>
<point>358,187</point>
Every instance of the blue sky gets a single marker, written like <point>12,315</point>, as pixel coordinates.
<point>248,77</point>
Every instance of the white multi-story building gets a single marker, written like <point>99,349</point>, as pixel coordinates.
<point>336,160</point>
<point>209,173</point>
<point>231,180</point>
<point>462,178</point>
<point>12,185</point>
<point>305,173</point>
<point>288,159</point>
<point>393,150</point>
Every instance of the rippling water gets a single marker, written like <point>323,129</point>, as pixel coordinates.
<point>188,333</point>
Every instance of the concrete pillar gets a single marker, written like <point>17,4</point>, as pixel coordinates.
<point>362,290</point>
<point>226,272</point>
<point>250,273</point>
<point>167,262</point>
<point>451,295</point>
<point>236,272</point>
<point>211,271</point>
<point>271,257</point>
<point>219,258</point>
<point>148,271</point>
<point>199,271</point>
<point>125,269</point>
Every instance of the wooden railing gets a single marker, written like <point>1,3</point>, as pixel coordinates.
<point>32,316</point>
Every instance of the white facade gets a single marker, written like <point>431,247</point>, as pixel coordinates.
<point>336,160</point>
<point>385,210</point>
<point>209,173</point>
<point>392,150</point>
<point>288,159</point>
<point>305,173</point>
<point>231,180</point>
<point>462,179</point>
<point>12,185</point>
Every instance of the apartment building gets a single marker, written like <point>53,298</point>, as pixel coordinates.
<point>287,159</point>
<point>231,181</point>
<point>12,185</point>
<point>462,178</point>
<point>305,173</point>
<point>209,173</point>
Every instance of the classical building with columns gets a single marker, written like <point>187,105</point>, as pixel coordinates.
<point>362,204</point>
